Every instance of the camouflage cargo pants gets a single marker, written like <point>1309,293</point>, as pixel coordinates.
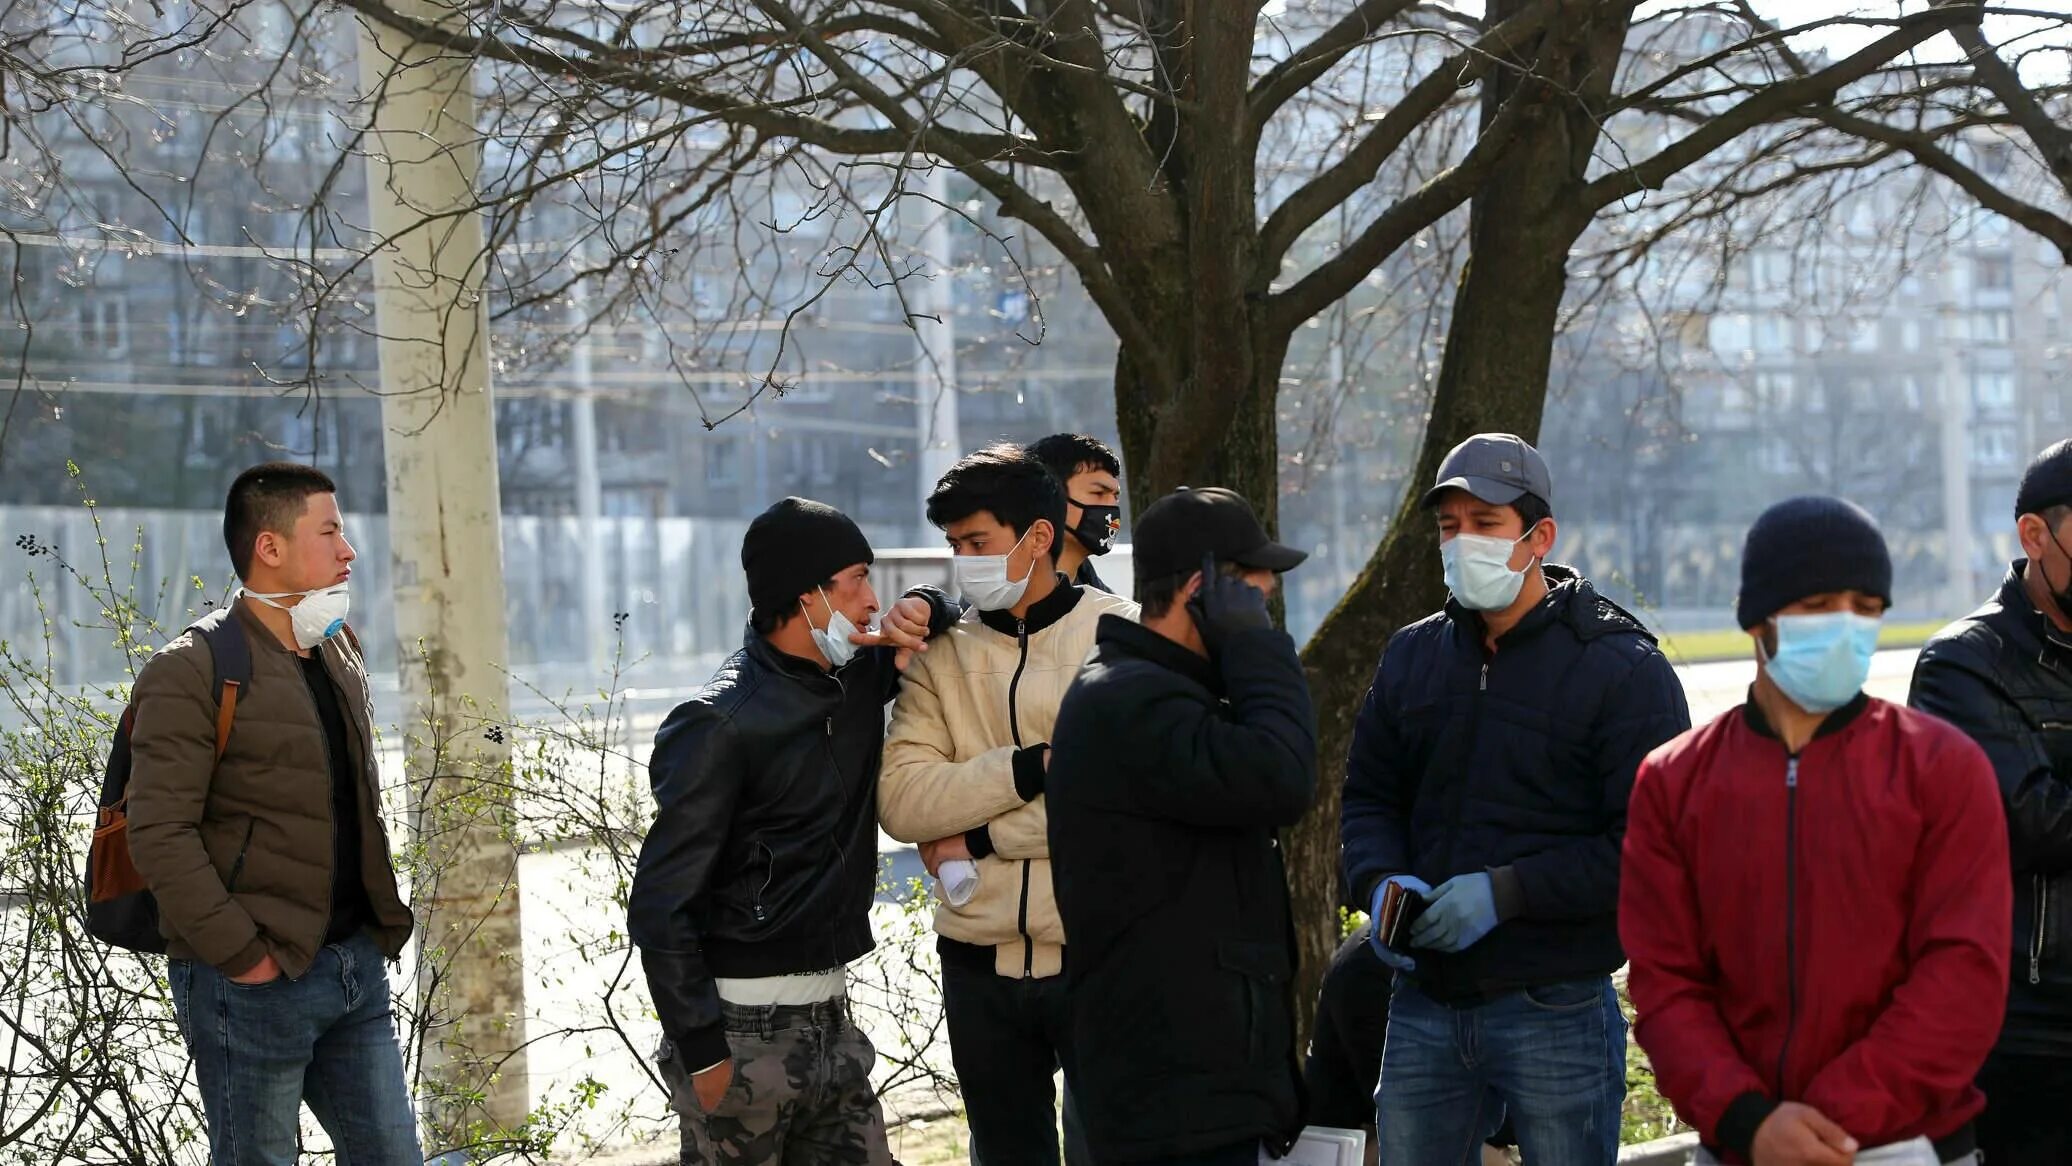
<point>801,1093</point>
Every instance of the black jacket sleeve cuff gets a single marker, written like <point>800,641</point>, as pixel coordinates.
<point>941,612</point>
<point>700,1049</point>
<point>1504,889</point>
<point>979,841</point>
<point>1028,771</point>
<point>1745,1115</point>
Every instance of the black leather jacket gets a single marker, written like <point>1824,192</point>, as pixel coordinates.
<point>2004,676</point>
<point>763,858</point>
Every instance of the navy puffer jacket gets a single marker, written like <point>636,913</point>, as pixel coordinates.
<point>1519,763</point>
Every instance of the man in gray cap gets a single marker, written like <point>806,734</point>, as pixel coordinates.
<point>1485,799</point>
<point>2003,674</point>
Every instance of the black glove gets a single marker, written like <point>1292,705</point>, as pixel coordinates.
<point>1222,606</point>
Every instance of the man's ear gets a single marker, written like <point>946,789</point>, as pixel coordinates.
<point>1543,538</point>
<point>267,549</point>
<point>1043,537</point>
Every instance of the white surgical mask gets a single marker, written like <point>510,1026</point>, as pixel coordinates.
<point>317,618</point>
<point>1478,570</point>
<point>982,579</point>
<point>833,640</point>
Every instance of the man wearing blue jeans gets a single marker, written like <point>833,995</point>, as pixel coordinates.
<point>275,889</point>
<point>1488,775</point>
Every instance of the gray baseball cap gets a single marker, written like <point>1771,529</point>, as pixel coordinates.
<point>1498,468</point>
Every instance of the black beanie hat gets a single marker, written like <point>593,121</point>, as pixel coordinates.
<point>1809,546</point>
<point>2047,482</point>
<point>795,546</point>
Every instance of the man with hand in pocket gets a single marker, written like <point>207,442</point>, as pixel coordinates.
<point>1488,773</point>
<point>754,886</point>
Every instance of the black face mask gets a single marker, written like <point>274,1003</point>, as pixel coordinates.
<point>1097,527</point>
<point>2061,597</point>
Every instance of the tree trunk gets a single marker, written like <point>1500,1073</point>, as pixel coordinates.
<point>443,517</point>
<point>1493,378</point>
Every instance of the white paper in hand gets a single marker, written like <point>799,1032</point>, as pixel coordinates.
<point>958,879</point>
<point>1323,1146</point>
<point>1919,1152</point>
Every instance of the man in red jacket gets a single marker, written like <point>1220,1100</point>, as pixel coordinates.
<point>1814,896</point>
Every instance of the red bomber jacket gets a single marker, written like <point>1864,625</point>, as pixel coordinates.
<point>1829,928</point>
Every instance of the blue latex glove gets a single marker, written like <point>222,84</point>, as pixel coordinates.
<point>1460,913</point>
<point>1386,954</point>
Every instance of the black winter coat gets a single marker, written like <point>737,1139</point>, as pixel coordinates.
<point>763,857</point>
<point>2004,677</point>
<point>1168,777</point>
<point>1517,763</point>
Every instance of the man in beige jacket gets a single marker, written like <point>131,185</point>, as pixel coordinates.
<point>963,776</point>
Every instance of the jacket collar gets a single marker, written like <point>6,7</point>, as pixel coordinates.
<point>1836,721</point>
<point>1564,585</point>
<point>770,658</point>
<point>2055,647</point>
<point>1045,612</point>
<point>1127,635</point>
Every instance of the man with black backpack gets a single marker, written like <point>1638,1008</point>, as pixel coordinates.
<point>270,867</point>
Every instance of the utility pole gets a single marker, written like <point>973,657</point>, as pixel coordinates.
<point>589,489</point>
<point>422,155</point>
<point>935,338</point>
<point>1955,406</point>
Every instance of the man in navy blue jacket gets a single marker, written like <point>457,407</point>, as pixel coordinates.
<point>1489,772</point>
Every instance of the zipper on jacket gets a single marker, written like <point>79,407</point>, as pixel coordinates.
<point>2036,939</point>
<point>1791,914</point>
<point>330,792</point>
<point>769,874</point>
<point>237,865</point>
<point>1014,685</point>
<point>1014,727</point>
<point>1457,798</point>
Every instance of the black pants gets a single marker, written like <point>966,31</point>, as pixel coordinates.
<point>2028,1121</point>
<point>1007,1041</point>
<point>1244,1154</point>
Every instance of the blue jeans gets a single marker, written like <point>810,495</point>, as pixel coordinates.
<point>1552,1057</point>
<point>262,1050</point>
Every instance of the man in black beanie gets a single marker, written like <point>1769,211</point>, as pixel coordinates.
<point>1814,892</point>
<point>2003,674</point>
<point>755,883</point>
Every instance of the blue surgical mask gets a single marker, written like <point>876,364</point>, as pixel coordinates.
<point>1478,570</point>
<point>833,640</point>
<point>1822,660</point>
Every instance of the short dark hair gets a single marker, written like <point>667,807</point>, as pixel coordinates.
<point>267,497</point>
<point>1065,454</point>
<point>1155,597</point>
<point>1533,509</point>
<point>1005,481</point>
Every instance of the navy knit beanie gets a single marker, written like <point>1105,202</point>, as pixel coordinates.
<point>795,546</point>
<point>1810,546</point>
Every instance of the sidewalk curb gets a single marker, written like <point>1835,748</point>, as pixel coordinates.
<point>1673,1151</point>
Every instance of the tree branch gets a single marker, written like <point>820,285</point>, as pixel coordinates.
<point>1335,278</point>
<point>1782,98</point>
<point>2053,141</point>
<point>1343,179</point>
<point>1923,148</point>
<point>1288,78</point>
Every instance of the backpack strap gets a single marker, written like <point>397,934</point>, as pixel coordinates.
<point>232,651</point>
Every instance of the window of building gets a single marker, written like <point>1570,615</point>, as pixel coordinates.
<point>1732,334</point>
<point>1993,390</point>
<point>722,462</point>
<point>1777,391</point>
<point>1993,445</point>
<point>1910,335</point>
<point>1992,327</point>
<point>1993,273</point>
<point>1773,334</point>
<point>1864,335</point>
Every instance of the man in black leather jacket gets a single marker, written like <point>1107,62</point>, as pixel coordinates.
<point>2004,675</point>
<point>755,883</point>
